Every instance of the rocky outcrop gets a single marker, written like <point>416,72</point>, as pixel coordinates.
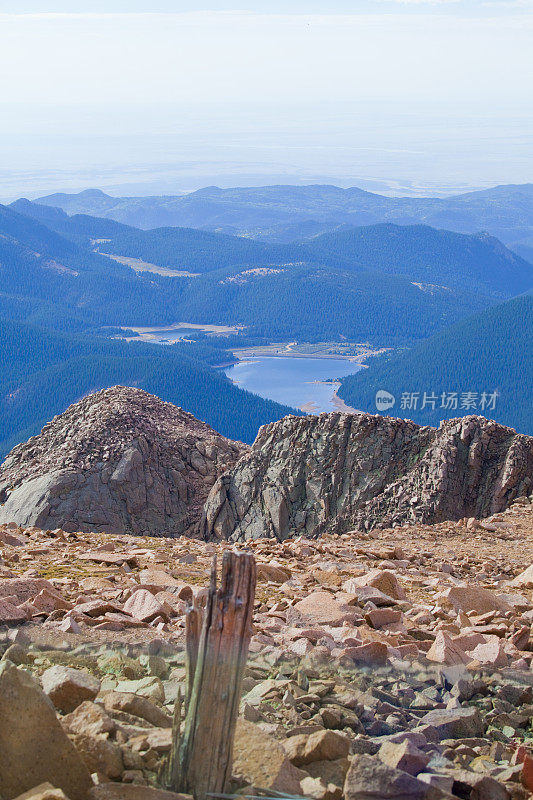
<point>336,472</point>
<point>119,461</point>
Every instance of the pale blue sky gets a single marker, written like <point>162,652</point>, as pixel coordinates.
<point>428,91</point>
<point>469,7</point>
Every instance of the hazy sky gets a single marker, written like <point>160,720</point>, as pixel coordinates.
<point>124,89</point>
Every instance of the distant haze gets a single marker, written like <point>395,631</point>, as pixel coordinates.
<point>398,97</point>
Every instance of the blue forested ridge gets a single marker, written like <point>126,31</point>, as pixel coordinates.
<point>490,352</point>
<point>45,371</point>
<point>386,283</point>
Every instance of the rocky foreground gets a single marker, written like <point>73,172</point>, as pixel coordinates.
<point>390,664</point>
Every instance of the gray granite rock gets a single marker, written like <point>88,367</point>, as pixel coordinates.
<point>338,472</point>
<point>119,461</point>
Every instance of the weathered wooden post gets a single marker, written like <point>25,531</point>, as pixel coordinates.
<point>218,637</point>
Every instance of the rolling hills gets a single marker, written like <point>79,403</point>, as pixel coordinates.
<point>49,279</point>
<point>468,262</point>
<point>388,283</point>
<point>384,280</point>
<point>312,303</point>
<point>289,213</point>
<point>55,294</point>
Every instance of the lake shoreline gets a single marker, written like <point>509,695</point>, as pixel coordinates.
<point>286,350</point>
<point>305,383</point>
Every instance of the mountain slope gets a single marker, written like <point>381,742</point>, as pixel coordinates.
<point>504,211</point>
<point>311,303</point>
<point>489,352</point>
<point>82,226</point>
<point>339,285</point>
<point>44,371</point>
<point>50,280</point>
<point>475,262</point>
<point>467,262</point>
<point>193,250</point>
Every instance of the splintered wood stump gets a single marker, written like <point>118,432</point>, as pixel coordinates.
<point>218,636</point>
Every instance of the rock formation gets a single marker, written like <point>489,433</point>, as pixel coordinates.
<point>334,472</point>
<point>118,461</point>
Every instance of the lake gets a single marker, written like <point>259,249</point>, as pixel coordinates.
<point>293,381</point>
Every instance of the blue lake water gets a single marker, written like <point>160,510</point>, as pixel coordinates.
<point>293,381</point>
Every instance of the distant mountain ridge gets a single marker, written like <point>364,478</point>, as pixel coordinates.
<point>286,213</point>
<point>386,281</point>
<point>380,282</point>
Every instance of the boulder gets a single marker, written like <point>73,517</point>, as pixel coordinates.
<point>45,791</point>
<point>23,588</point>
<point>368,594</point>
<point>371,654</point>
<point>34,747</point>
<point>458,723</point>
<point>144,606</point>
<point>138,706</point>
<point>323,745</point>
<point>524,580</point>
<point>90,719</point>
<point>273,573</point>
<point>158,739</point>
<point>383,617</point>
<point>319,608</point>
<point>99,754</point>
<point>261,761</point>
<point>50,600</point>
<point>475,599</point>
<point>404,756</point>
<point>383,580</point>
<point>317,789</point>
<point>67,687</point>
<point>370,779</point>
<point>150,688</point>
<point>445,651</point>
<point>478,786</point>
<point>10,614</point>
<point>491,653</point>
<point>159,580</point>
<point>329,771</point>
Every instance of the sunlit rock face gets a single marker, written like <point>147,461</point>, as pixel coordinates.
<point>337,472</point>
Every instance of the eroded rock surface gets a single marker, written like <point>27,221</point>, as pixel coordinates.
<point>119,461</point>
<point>335,472</point>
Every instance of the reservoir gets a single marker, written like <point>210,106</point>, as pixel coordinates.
<point>296,382</point>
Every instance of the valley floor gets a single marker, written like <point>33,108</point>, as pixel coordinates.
<point>357,352</point>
